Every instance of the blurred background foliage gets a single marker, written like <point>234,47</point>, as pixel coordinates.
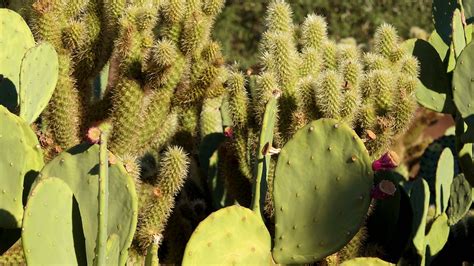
<point>240,25</point>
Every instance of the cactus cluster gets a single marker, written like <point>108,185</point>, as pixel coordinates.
<point>126,139</point>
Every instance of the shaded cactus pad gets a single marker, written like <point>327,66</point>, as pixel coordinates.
<point>322,191</point>
<point>231,236</point>
<point>21,158</point>
<point>79,168</point>
<point>44,235</point>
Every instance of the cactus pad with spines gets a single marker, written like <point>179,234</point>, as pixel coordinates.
<point>44,235</point>
<point>460,199</point>
<point>463,82</point>
<point>15,40</point>
<point>79,168</point>
<point>38,78</point>
<point>231,236</point>
<point>21,157</point>
<point>306,229</point>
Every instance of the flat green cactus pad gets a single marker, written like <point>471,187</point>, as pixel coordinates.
<point>231,236</point>
<point>322,189</point>
<point>79,168</point>
<point>48,226</point>
<point>38,77</point>
<point>366,262</point>
<point>460,199</point>
<point>463,82</point>
<point>15,39</point>
<point>21,157</point>
<point>444,178</point>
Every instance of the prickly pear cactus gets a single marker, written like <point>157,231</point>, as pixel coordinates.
<point>43,235</point>
<point>79,168</point>
<point>460,199</point>
<point>21,158</point>
<point>16,38</point>
<point>38,78</point>
<point>318,209</point>
<point>444,178</point>
<point>231,236</point>
<point>463,82</point>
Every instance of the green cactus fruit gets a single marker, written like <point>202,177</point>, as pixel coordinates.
<point>314,31</point>
<point>58,232</point>
<point>279,17</point>
<point>79,168</point>
<point>153,218</point>
<point>366,262</point>
<point>386,40</point>
<point>444,178</point>
<point>463,82</point>
<point>38,78</point>
<point>246,241</point>
<point>16,39</point>
<point>433,91</point>
<point>310,231</point>
<point>328,94</point>
<point>460,199</point>
<point>21,159</point>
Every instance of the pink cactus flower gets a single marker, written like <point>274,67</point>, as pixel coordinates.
<point>383,190</point>
<point>388,161</point>
<point>93,135</point>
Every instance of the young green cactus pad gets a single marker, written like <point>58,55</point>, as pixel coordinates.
<point>307,229</point>
<point>231,236</point>
<point>38,77</point>
<point>366,262</point>
<point>55,232</point>
<point>16,38</point>
<point>438,235</point>
<point>463,82</point>
<point>420,201</point>
<point>21,158</point>
<point>460,199</point>
<point>444,178</point>
<point>79,168</point>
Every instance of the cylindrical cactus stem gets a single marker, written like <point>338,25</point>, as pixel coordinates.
<point>347,52</point>
<point>212,7</point>
<point>314,31</point>
<point>126,112</point>
<point>329,54</point>
<point>64,115</point>
<point>266,88</point>
<point>279,17</point>
<point>238,100</point>
<point>311,63</point>
<point>47,20</point>
<point>152,220</point>
<point>328,94</point>
<point>386,40</point>
<point>306,102</point>
<point>403,112</point>
<point>351,105</point>
<point>367,116</point>
<point>382,85</point>
<point>374,61</point>
<point>409,65</point>
<point>165,134</point>
<point>173,11</point>
<point>210,119</point>
<point>196,32</point>
<point>286,62</point>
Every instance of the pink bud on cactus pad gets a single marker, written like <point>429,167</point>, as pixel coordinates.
<point>383,190</point>
<point>229,132</point>
<point>388,161</point>
<point>93,135</point>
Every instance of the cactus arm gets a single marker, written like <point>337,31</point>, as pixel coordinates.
<point>263,161</point>
<point>101,254</point>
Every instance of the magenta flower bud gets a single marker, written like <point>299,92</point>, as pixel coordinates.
<point>93,135</point>
<point>228,132</point>
<point>388,161</point>
<point>383,190</point>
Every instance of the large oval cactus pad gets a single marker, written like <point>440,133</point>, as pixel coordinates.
<point>48,226</point>
<point>79,168</point>
<point>322,189</point>
<point>15,39</point>
<point>38,77</point>
<point>21,155</point>
<point>231,236</point>
<point>463,82</point>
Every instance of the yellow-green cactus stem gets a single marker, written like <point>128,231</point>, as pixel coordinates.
<point>386,40</point>
<point>212,7</point>
<point>311,63</point>
<point>196,31</point>
<point>403,112</point>
<point>328,94</point>
<point>279,17</point>
<point>314,31</point>
<point>382,83</point>
<point>374,61</point>
<point>329,51</point>
<point>238,99</point>
<point>173,10</point>
<point>267,86</point>
<point>347,52</point>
